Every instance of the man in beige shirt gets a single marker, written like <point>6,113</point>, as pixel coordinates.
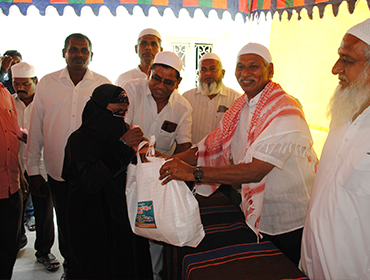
<point>211,98</point>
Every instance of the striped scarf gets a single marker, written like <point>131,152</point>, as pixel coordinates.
<point>215,149</point>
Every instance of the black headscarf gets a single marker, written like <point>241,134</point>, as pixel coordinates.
<point>99,122</point>
<point>100,129</point>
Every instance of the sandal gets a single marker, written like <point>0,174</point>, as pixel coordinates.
<point>49,261</point>
<point>31,223</point>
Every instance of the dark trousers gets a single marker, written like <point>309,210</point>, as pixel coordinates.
<point>44,224</point>
<point>59,191</point>
<point>11,212</point>
<point>288,243</point>
<point>44,216</point>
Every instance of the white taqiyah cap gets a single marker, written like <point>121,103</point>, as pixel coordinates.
<point>254,48</point>
<point>361,31</point>
<point>23,70</point>
<point>170,59</point>
<point>209,56</point>
<point>149,31</point>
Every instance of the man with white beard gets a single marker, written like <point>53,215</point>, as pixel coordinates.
<point>211,99</point>
<point>335,243</point>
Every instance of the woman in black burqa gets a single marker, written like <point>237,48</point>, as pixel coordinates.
<point>102,243</point>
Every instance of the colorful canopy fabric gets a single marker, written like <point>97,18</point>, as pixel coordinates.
<point>246,8</point>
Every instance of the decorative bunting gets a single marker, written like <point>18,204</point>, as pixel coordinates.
<point>246,8</point>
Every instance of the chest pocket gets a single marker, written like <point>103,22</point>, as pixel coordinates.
<point>355,172</point>
<point>165,140</point>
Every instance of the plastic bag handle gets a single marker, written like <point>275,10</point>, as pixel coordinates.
<point>141,145</point>
<point>151,150</point>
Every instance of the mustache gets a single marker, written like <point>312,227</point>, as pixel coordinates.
<point>22,91</point>
<point>78,59</point>
<point>343,78</point>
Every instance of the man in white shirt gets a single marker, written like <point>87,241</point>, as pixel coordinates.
<point>335,243</point>
<point>211,99</point>
<point>24,84</point>
<point>148,45</point>
<point>263,143</point>
<point>158,109</point>
<point>57,108</point>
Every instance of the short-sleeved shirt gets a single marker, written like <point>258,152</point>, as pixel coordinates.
<point>285,200</point>
<point>207,113</point>
<point>143,113</point>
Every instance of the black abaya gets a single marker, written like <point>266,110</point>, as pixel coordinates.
<point>102,243</point>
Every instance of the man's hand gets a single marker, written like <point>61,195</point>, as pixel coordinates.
<point>38,186</point>
<point>176,169</point>
<point>6,62</point>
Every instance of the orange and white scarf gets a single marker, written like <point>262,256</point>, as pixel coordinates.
<point>214,150</point>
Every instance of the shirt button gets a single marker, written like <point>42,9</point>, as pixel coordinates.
<point>346,140</point>
<point>338,155</point>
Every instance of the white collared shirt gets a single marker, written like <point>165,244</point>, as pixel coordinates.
<point>143,113</point>
<point>23,116</point>
<point>207,113</point>
<point>57,112</point>
<point>336,238</point>
<point>132,74</point>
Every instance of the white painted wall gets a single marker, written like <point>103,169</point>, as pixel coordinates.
<point>40,39</point>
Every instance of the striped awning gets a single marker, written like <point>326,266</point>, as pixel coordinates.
<point>250,8</point>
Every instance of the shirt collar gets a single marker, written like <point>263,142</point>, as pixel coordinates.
<point>362,116</point>
<point>88,75</point>
<point>252,102</point>
<point>17,100</point>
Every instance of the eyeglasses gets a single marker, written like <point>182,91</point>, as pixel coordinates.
<point>158,80</point>
<point>119,115</point>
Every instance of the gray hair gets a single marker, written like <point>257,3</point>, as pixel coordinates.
<point>367,54</point>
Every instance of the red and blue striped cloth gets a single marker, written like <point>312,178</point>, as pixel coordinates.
<point>229,249</point>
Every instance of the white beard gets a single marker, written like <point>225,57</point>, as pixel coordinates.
<point>209,89</point>
<point>347,102</point>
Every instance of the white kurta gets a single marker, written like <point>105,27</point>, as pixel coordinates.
<point>336,237</point>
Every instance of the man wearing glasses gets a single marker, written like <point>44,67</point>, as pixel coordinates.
<point>158,109</point>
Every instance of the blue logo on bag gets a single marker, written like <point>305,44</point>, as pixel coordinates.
<point>145,215</point>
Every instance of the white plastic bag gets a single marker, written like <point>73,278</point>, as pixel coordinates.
<point>168,213</point>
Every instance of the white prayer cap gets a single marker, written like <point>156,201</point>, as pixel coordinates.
<point>23,70</point>
<point>209,56</point>
<point>254,48</point>
<point>170,59</point>
<point>361,31</point>
<point>149,31</point>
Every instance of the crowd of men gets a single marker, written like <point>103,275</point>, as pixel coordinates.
<point>259,143</point>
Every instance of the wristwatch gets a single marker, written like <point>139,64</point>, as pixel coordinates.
<point>198,174</point>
